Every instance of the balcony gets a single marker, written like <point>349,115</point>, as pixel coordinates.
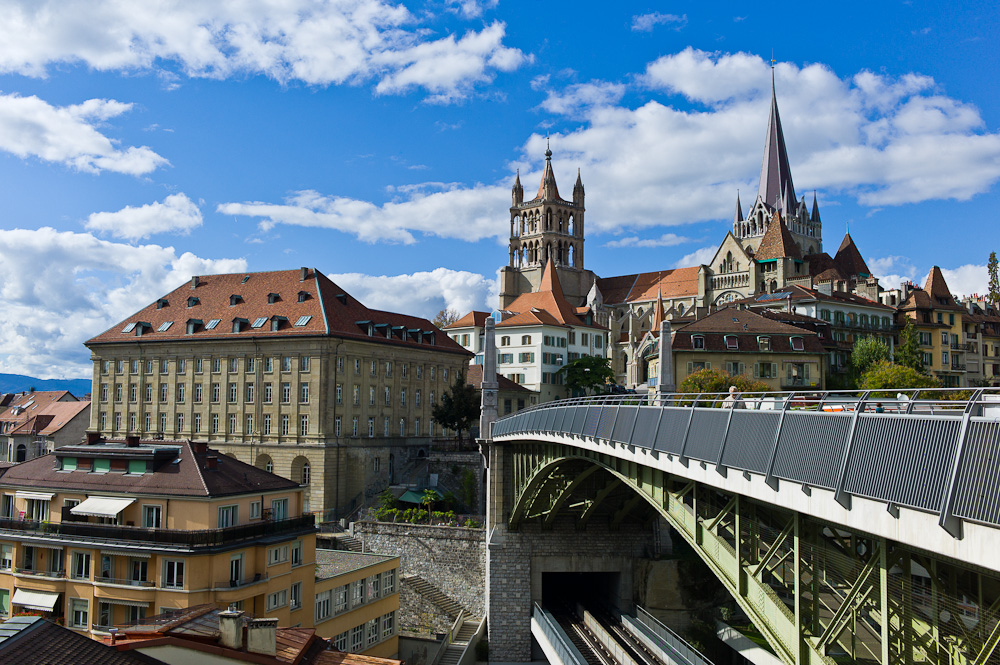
<point>123,581</point>
<point>239,584</point>
<point>196,540</point>
<point>49,574</point>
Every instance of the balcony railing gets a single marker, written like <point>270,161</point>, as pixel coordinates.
<point>123,581</point>
<point>201,539</point>
<point>238,584</point>
<point>40,573</point>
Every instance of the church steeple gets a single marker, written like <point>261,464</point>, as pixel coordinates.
<point>775,173</point>
<point>517,192</point>
<point>547,190</point>
<point>578,192</point>
<point>738,216</point>
<point>815,213</point>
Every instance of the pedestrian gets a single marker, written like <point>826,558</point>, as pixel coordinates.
<point>878,407</point>
<point>733,400</point>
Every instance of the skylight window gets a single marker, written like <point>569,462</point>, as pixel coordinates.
<point>165,326</point>
<point>245,279</point>
<point>303,320</point>
<point>129,328</point>
<point>211,324</point>
<point>259,322</point>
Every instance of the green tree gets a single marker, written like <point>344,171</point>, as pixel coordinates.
<point>867,352</point>
<point>587,373</point>
<point>994,285</point>
<point>458,408</point>
<point>908,352</point>
<point>717,381</point>
<point>889,376</point>
<point>427,499</point>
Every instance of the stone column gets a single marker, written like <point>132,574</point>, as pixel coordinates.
<point>490,387</point>
<point>666,383</point>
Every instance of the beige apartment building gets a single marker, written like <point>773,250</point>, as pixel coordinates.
<point>284,370</point>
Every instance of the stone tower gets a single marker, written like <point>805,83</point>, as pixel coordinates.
<point>546,227</point>
<point>776,193</point>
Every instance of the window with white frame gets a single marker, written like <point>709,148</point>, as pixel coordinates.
<point>388,625</point>
<point>357,593</point>
<point>277,555</point>
<point>297,553</point>
<point>388,582</point>
<point>371,631</point>
<point>255,510</point>
<point>322,606</point>
<point>228,516</point>
<point>357,637</point>
<point>79,613</point>
<point>279,509</point>
<point>80,566</point>
<point>340,599</point>
<point>6,557</point>
<point>173,574</point>
<point>295,596</point>
<point>340,641</point>
<point>277,599</point>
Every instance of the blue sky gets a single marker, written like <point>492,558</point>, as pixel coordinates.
<point>141,143</point>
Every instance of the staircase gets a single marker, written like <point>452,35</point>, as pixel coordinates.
<point>350,544</point>
<point>434,595</point>
<point>453,652</point>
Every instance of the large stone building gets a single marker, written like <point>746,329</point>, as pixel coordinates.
<point>284,370</point>
<point>777,245</point>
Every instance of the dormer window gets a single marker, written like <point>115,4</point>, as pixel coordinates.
<point>235,299</point>
<point>732,342</point>
<point>272,298</point>
<point>161,303</point>
<point>798,344</point>
<point>277,322</point>
<point>764,343</point>
<point>192,326</point>
<point>303,296</point>
<point>240,324</point>
<point>142,327</point>
<point>697,341</point>
<point>192,301</point>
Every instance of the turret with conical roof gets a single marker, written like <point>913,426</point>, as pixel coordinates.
<point>517,191</point>
<point>578,192</point>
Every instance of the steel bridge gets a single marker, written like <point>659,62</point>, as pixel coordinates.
<point>850,528</point>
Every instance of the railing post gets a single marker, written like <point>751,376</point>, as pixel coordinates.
<point>769,478</point>
<point>947,519</point>
<point>719,467</point>
<point>687,430</point>
<point>842,497</point>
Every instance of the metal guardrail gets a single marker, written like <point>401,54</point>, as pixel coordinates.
<point>566,652</point>
<point>675,641</point>
<point>929,450</point>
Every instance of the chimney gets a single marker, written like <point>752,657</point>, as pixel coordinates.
<point>194,282</point>
<point>132,440</point>
<point>231,629</point>
<point>93,438</point>
<point>212,462</point>
<point>114,635</point>
<point>199,447</point>
<point>303,273</point>
<point>262,636</point>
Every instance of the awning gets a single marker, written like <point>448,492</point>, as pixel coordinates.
<point>126,603</point>
<point>102,506</point>
<point>135,554</point>
<point>40,496</point>
<point>43,601</point>
<point>409,496</point>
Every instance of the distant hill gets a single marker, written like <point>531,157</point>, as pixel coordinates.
<point>16,383</point>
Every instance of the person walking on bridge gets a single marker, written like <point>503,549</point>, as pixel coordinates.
<point>733,400</point>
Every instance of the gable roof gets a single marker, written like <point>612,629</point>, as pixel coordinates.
<point>823,268</point>
<point>301,303</point>
<point>733,320</point>
<point>472,319</point>
<point>937,288</point>
<point>777,242</point>
<point>546,306</point>
<point>31,640</point>
<point>644,287</point>
<point>474,377</point>
<point>188,476</point>
<point>849,259</point>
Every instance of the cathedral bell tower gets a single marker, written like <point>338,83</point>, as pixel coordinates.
<point>546,227</point>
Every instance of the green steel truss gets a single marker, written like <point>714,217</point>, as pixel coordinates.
<point>818,593</point>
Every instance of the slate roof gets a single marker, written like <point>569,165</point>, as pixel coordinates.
<point>775,172</point>
<point>849,259</point>
<point>777,242</point>
<point>330,563</point>
<point>189,476</point>
<point>30,640</point>
<point>302,303</point>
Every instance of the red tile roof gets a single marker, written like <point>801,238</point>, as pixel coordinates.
<point>939,292</point>
<point>643,287</point>
<point>546,306</point>
<point>777,242</point>
<point>746,326</point>
<point>473,318</point>
<point>189,476</point>
<point>474,377</point>
<point>849,258</point>
<point>24,406</point>
<point>300,303</point>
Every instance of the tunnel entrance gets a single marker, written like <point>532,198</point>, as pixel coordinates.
<point>565,590</point>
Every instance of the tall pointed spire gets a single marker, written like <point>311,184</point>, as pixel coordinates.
<point>775,173</point>
<point>547,189</point>
<point>815,213</point>
<point>517,192</point>
<point>578,192</point>
<point>738,217</point>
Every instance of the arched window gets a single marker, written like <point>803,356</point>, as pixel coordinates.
<point>306,473</point>
<point>269,466</point>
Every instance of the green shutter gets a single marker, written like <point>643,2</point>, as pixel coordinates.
<point>774,370</point>
<point>69,464</point>
<point>102,465</point>
<point>5,601</point>
<point>137,466</point>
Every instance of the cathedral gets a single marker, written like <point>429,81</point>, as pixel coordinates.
<point>777,244</point>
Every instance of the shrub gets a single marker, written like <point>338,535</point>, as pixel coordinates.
<point>887,376</point>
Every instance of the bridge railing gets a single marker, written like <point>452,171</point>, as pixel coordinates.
<point>935,451</point>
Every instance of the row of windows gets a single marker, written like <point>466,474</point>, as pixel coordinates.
<point>733,342</point>
<point>336,601</point>
<point>367,634</point>
<point>217,363</point>
<point>374,366</point>
<point>386,396</point>
<point>552,340</point>
<point>793,371</point>
<point>850,318</point>
<point>213,424</point>
<point>386,431</point>
<point>215,392</point>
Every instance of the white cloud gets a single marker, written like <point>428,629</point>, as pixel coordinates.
<point>68,135</point>
<point>61,288</point>
<point>421,293</point>
<point>666,240</point>
<point>646,22</point>
<point>893,271</point>
<point>176,214</point>
<point>574,99</point>
<point>313,41</point>
<point>465,213</point>
<point>966,280</point>
<point>697,258</point>
<point>470,8</point>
